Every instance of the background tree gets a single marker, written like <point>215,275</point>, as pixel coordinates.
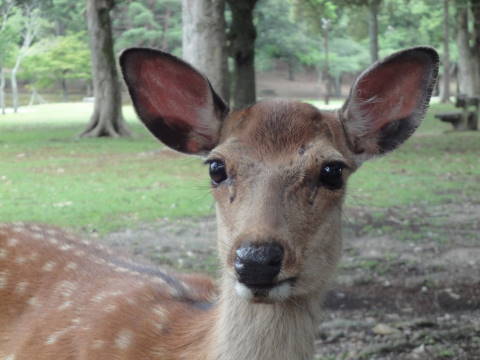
<point>31,22</point>
<point>149,23</point>
<point>241,37</point>
<point>57,60</point>
<point>10,26</point>
<point>445,94</point>
<point>107,118</point>
<point>204,41</point>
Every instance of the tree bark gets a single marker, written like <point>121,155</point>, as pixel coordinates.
<point>373,9</point>
<point>242,37</point>
<point>446,55</point>
<point>204,39</point>
<point>466,81</point>
<point>64,90</point>
<point>475,7</point>
<point>107,118</point>
<point>326,66</point>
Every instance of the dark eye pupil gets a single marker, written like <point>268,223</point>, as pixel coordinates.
<point>331,176</point>
<point>217,171</point>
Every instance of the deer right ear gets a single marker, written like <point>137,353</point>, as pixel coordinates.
<point>388,101</point>
<point>174,101</point>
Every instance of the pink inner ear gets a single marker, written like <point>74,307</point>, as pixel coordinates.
<point>170,91</point>
<point>390,92</point>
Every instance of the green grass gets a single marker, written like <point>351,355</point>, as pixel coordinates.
<point>48,175</point>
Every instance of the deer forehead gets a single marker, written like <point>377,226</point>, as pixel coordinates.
<point>282,130</point>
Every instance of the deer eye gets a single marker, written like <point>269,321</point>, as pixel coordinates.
<point>217,171</point>
<point>331,175</point>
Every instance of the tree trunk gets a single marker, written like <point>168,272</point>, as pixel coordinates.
<point>2,90</point>
<point>291,69</point>
<point>475,7</point>
<point>204,38</point>
<point>242,37</point>
<point>14,86</point>
<point>165,29</point>
<point>64,90</point>
<point>107,118</point>
<point>373,9</point>
<point>466,82</point>
<point>446,55</point>
<point>326,66</point>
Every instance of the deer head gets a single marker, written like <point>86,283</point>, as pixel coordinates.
<point>279,168</point>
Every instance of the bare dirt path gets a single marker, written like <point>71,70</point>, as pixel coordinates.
<point>408,286</point>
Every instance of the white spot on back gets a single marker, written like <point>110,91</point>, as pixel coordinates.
<point>21,260</point>
<point>66,247</point>
<point>160,317</point>
<point>110,308</point>
<point>79,253</point>
<point>38,236</point>
<point>71,266</point>
<point>53,241</point>
<point>3,279</point>
<point>98,344</point>
<point>21,287</point>
<point>3,253</point>
<point>65,305</point>
<point>10,357</point>
<point>66,288</point>
<point>12,242</point>
<point>19,229</point>
<point>33,301</point>
<point>49,266</point>
<point>124,339</point>
<point>36,228</point>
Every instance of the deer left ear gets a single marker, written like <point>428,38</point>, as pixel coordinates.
<point>388,101</point>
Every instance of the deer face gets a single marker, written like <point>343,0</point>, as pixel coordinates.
<point>279,176</point>
<point>279,168</point>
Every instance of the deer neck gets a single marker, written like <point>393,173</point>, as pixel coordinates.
<point>247,331</point>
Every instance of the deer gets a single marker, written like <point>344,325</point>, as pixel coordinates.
<point>278,172</point>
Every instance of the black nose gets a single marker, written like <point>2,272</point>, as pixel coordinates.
<point>258,264</point>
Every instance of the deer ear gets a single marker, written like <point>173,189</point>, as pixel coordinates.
<point>174,101</point>
<point>388,101</point>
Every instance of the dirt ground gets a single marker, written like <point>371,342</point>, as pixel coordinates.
<point>408,286</point>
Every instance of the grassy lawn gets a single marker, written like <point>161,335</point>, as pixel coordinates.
<point>49,176</point>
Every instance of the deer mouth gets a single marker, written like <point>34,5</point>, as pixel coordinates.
<point>266,293</point>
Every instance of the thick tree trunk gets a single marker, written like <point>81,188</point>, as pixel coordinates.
<point>204,38</point>
<point>475,7</point>
<point>107,118</point>
<point>242,37</point>
<point>373,9</point>
<point>466,82</point>
<point>445,97</point>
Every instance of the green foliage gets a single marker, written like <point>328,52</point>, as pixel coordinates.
<point>155,23</point>
<point>10,27</point>
<point>57,58</point>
